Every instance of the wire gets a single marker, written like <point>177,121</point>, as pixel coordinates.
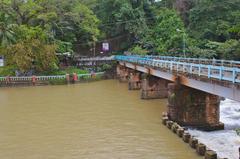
<point>108,24</point>
<point>110,39</point>
<point>122,22</point>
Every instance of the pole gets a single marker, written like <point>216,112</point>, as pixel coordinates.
<point>94,49</point>
<point>184,44</point>
<point>94,54</point>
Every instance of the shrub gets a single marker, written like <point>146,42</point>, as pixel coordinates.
<point>7,71</point>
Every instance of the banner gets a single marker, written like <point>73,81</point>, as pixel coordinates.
<point>105,47</point>
<point>1,61</point>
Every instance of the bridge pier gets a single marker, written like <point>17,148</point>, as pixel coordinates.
<point>122,73</point>
<point>154,88</point>
<point>191,107</point>
<point>134,82</point>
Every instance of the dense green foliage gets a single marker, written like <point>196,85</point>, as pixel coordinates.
<point>206,28</point>
<point>31,31</point>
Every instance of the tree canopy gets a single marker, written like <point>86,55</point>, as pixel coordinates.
<point>32,31</point>
<point>202,28</point>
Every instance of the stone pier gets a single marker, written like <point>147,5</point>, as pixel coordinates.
<point>134,82</point>
<point>154,88</point>
<point>191,107</point>
<point>122,73</point>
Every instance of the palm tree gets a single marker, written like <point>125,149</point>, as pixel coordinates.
<point>7,35</point>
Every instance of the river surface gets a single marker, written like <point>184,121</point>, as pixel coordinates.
<point>100,120</point>
<point>225,142</point>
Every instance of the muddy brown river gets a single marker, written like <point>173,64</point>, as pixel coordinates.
<point>99,120</point>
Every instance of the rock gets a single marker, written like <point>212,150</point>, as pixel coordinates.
<point>186,137</point>
<point>209,154</point>
<point>175,127</point>
<point>180,132</point>
<point>164,120</point>
<point>201,149</point>
<point>193,142</point>
<point>164,114</point>
<point>169,124</point>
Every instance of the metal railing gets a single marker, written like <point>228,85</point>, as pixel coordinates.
<point>222,73</point>
<point>215,62</point>
<point>106,58</point>
<point>46,78</point>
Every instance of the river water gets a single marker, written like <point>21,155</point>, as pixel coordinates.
<point>225,142</point>
<point>100,120</point>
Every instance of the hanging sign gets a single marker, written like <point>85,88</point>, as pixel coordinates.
<point>105,47</point>
<point>1,61</point>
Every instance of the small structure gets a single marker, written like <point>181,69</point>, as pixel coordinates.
<point>1,61</point>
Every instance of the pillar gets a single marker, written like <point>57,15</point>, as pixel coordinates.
<point>191,107</point>
<point>134,82</point>
<point>154,88</point>
<point>122,73</point>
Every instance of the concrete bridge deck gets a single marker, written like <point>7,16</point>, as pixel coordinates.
<point>217,77</point>
<point>93,61</point>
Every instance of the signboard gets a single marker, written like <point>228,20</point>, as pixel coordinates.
<point>1,61</point>
<point>105,47</point>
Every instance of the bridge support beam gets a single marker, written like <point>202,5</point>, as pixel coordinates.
<point>191,107</point>
<point>122,73</point>
<point>134,82</point>
<point>154,88</point>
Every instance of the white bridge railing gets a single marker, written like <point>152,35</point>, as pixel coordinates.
<point>221,73</point>
<point>47,78</point>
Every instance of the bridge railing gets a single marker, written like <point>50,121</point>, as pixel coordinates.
<point>222,73</point>
<point>38,78</point>
<point>47,78</point>
<point>216,62</point>
<point>107,58</point>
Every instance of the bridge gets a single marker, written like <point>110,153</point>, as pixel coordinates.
<point>193,86</point>
<point>93,61</point>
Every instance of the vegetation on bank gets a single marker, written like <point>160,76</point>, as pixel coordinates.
<point>32,32</point>
<point>10,71</point>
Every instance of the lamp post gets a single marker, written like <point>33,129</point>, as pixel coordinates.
<point>184,41</point>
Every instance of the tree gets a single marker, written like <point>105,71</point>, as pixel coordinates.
<point>229,50</point>
<point>165,36</point>
<point>31,51</point>
<point>128,18</point>
<point>6,30</point>
<point>212,19</point>
<point>69,20</point>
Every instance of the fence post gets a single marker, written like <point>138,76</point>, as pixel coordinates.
<point>68,78</point>
<point>34,80</point>
<point>75,77</point>
<point>8,80</point>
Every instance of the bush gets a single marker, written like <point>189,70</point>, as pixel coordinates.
<point>138,50</point>
<point>69,70</point>
<point>7,71</point>
<point>76,70</point>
